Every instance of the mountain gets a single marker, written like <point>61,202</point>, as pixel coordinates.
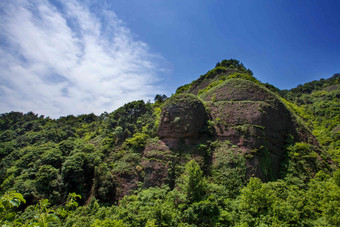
<point>225,150</point>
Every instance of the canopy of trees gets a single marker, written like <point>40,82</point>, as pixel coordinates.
<point>75,170</point>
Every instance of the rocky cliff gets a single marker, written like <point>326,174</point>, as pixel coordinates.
<point>242,112</point>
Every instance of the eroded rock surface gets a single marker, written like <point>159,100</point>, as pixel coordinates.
<point>247,114</point>
<point>182,119</point>
<point>155,164</point>
<point>254,119</point>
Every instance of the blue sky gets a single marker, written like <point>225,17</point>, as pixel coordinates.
<point>71,57</point>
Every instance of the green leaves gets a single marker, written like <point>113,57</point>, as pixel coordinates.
<point>192,182</point>
<point>336,177</point>
<point>46,215</point>
<point>138,141</point>
<point>101,158</point>
<point>229,168</point>
<point>9,201</point>
<point>203,213</point>
<point>303,161</point>
<point>107,223</point>
<point>71,201</point>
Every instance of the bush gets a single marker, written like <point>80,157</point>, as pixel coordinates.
<point>138,141</point>
<point>336,177</point>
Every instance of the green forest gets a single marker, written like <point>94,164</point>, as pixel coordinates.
<point>224,150</point>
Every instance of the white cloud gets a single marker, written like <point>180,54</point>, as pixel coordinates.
<point>68,60</point>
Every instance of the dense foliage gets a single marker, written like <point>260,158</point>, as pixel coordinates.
<point>318,102</point>
<point>75,170</point>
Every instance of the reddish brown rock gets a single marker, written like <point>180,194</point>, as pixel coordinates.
<point>182,119</point>
<point>245,113</point>
<point>155,163</point>
<point>254,119</point>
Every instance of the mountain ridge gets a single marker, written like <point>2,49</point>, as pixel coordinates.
<point>222,132</point>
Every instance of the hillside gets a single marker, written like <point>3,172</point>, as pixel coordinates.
<point>225,150</point>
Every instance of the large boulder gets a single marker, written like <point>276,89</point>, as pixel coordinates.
<point>182,119</point>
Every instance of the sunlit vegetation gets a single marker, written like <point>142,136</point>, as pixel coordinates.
<point>90,170</point>
<point>318,102</point>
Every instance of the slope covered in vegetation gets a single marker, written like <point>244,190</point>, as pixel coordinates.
<point>318,103</point>
<point>225,150</point>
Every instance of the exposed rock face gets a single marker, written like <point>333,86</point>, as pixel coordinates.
<point>247,114</point>
<point>254,119</point>
<point>152,171</point>
<point>182,119</point>
<point>125,184</point>
<point>250,124</point>
<point>239,90</point>
<point>155,164</point>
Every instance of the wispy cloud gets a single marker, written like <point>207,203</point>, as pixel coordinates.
<point>70,60</point>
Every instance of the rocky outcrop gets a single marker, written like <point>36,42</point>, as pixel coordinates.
<point>245,113</point>
<point>254,119</point>
<point>155,164</point>
<point>182,119</point>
